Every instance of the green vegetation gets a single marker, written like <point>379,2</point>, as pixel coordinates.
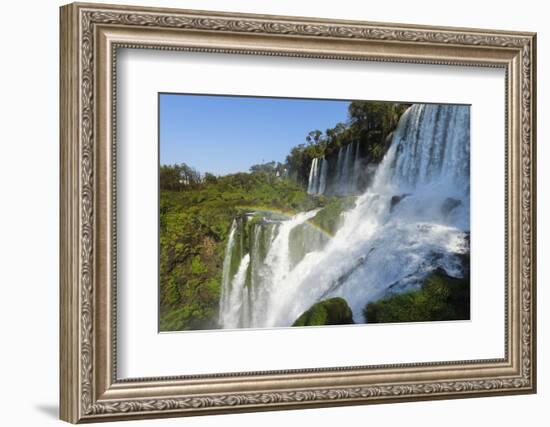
<point>179,176</point>
<point>441,297</point>
<point>333,311</point>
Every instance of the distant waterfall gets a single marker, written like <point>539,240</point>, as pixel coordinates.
<point>313,174</point>
<point>346,177</point>
<point>413,218</point>
<point>323,177</point>
<point>339,165</point>
<point>318,176</point>
<point>343,179</point>
<point>356,167</point>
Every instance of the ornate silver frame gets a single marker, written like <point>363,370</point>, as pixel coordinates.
<point>90,36</point>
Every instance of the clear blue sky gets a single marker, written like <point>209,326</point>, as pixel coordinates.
<point>228,134</point>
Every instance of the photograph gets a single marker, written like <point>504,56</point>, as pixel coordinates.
<point>292,212</point>
<point>303,193</point>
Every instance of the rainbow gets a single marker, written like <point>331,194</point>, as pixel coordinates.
<point>287,213</point>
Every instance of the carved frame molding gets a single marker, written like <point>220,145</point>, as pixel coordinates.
<point>90,37</point>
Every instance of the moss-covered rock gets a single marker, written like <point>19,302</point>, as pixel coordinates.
<point>441,297</point>
<point>334,311</point>
<point>328,218</point>
<point>313,235</point>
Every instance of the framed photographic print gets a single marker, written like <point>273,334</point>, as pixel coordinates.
<point>264,212</point>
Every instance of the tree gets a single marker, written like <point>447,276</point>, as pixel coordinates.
<point>210,178</point>
<point>314,137</point>
<point>375,115</point>
<point>178,176</point>
<point>267,168</point>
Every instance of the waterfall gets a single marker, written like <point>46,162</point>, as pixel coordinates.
<point>345,178</point>
<point>339,167</point>
<point>312,182</point>
<point>356,169</point>
<point>245,292</point>
<point>317,176</point>
<point>323,176</point>
<point>421,162</point>
<point>227,277</point>
<point>231,313</point>
<point>413,218</point>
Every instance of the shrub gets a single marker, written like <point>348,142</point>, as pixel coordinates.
<point>334,311</point>
<point>441,297</point>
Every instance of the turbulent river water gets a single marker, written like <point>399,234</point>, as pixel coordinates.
<point>414,217</point>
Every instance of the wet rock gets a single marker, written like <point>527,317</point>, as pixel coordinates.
<point>395,200</point>
<point>449,204</point>
<point>333,311</point>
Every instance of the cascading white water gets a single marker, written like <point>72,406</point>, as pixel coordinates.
<point>245,289</point>
<point>356,169</point>
<point>344,179</point>
<point>271,271</point>
<point>312,182</point>
<point>318,171</point>
<point>323,176</point>
<point>421,162</point>
<point>339,164</point>
<point>231,315</point>
<point>413,219</point>
<point>225,304</point>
